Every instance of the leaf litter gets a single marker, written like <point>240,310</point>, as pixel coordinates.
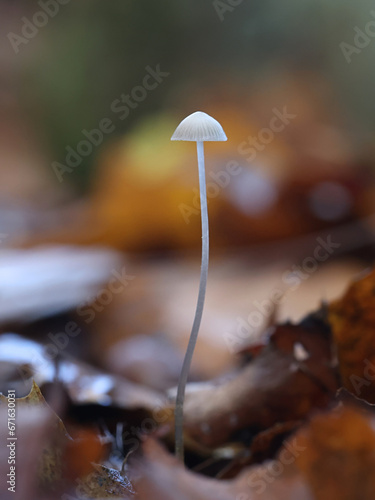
<point>277,426</point>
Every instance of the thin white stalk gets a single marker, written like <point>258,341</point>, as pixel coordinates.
<point>179,415</point>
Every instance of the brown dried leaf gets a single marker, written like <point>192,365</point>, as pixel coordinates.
<point>85,448</point>
<point>33,426</point>
<point>162,477</point>
<point>339,459</point>
<point>353,325</point>
<point>264,443</point>
<point>104,482</point>
<point>276,386</point>
<point>47,439</point>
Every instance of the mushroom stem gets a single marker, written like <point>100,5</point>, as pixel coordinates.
<point>198,127</point>
<point>179,416</point>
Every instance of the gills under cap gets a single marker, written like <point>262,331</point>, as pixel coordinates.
<point>199,127</point>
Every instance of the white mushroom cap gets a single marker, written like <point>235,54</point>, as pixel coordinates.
<point>199,127</point>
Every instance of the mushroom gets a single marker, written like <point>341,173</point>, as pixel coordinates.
<point>198,127</point>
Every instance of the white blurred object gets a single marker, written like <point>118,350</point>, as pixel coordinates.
<point>43,281</point>
<point>252,192</point>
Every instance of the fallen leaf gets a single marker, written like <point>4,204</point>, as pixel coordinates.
<point>339,456</point>
<point>47,450</point>
<point>162,477</point>
<point>353,325</point>
<point>275,386</point>
<point>104,482</point>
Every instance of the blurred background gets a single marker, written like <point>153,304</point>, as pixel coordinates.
<point>90,184</point>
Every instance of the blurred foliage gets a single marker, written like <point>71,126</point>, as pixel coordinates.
<point>91,52</point>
